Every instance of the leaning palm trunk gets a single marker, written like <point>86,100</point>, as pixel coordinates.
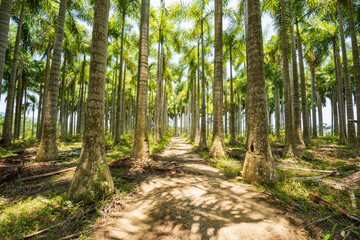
<point>259,165</point>
<point>289,139</point>
<point>5,14</point>
<point>93,174</point>
<point>48,149</point>
<point>299,144</point>
<point>7,128</point>
<point>140,145</point>
<point>356,60</point>
<point>348,92</point>
<point>217,148</point>
<point>305,117</point>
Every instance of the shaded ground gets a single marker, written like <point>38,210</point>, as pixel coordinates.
<point>192,200</point>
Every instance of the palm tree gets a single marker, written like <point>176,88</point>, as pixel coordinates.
<point>140,145</point>
<point>259,165</point>
<point>356,60</point>
<point>289,139</point>
<point>93,174</point>
<point>5,14</point>
<point>7,127</point>
<point>48,149</point>
<point>217,148</point>
<point>348,92</point>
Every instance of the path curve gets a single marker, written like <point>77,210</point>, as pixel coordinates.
<point>200,204</point>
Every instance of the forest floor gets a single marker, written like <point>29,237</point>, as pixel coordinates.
<point>182,194</point>
<point>193,200</point>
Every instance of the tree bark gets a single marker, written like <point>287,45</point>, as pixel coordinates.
<point>24,117</point>
<point>123,105</point>
<point>62,121</point>
<point>356,62</point>
<point>348,92</point>
<point>19,97</point>
<point>48,149</point>
<point>232,105</point>
<point>289,136</point>
<point>140,145</point>
<point>277,114</point>
<point>313,100</point>
<point>5,14</point>
<point>203,141</point>
<point>81,97</point>
<point>319,103</point>
<point>157,128</point>
<point>92,176</point>
<point>217,148</point>
<point>305,117</point>
<point>259,165</point>
<point>7,127</point>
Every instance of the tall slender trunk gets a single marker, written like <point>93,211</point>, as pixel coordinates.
<point>81,96</point>
<point>259,165</point>
<point>203,142</point>
<point>93,174</point>
<point>123,105</point>
<point>313,101</point>
<point>5,14</point>
<point>33,120</point>
<point>48,149</point>
<point>113,105</point>
<point>356,62</point>
<point>61,125</point>
<point>19,97</point>
<point>232,104</point>
<point>340,98</point>
<point>277,114</point>
<point>334,109</point>
<point>46,87</point>
<point>40,107</point>
<point>305,117</point>
<point>197,96</point>
<point>217,148</point>
<point>175,122</point>
<point>140,146</point>
<point>24,117</point>
<point>289,136</point>
<point>7,127</point>
<point>72,108</point>
<point>157,128</point>
<point>348,92</point>
<point>165,111</point>
<point>319,105</point>
<point>120,95</point>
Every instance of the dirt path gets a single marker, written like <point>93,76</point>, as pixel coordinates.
<point>198,204</point>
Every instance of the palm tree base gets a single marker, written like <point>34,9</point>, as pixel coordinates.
<point>47,151</point>
<point>259,168</point>
<point>217,148</point>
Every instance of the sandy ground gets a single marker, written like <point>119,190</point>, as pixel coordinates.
<point>198,203</point>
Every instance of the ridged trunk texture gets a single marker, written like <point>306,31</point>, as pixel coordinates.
<point>157,128</point>
<point>120,95</point>
<point>348,92</point>
<point>340,98</point>
<point>217,148</point>
<point>259,165</point>
<point>80,100</point>
<point>277,114</point>
<point>299,144</point>
<point>232,105</point>
<point>203,141</point>
<point>5,14</point>
<point>7,127</point>
<point>92,176</point>
<point>18,107</point>
<point>289,136</point>
<point>319,105</point>
<point>305,117</point>
<point>140,146</point>
<point>48,149</point>
<point>62,121</point>
<point>313,100</point>
<point>46,87</point>
<point>197,108</point>
<point>356,62</point>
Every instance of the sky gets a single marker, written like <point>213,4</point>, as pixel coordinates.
<point>267,27</point>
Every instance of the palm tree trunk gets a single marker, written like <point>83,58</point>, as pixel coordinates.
<point>93,174</point>
<point>277,114</point>
<point>259,165</point>
<point>356,62</point>
<point>48,149</point>
<point>7,127</point>
<point>203,142</point>
<point>120,95</point>
<point>46,87</point>
<point>197,107</point>
<point>157,128</point>
<point>319,103</point>
<point>305,117</point>
<point>81,98</point>
<point>113,105</point>
<point>24,118</point>
<point>217,148</point>
<point>313,100</point>
<point>232,105</point>
<point>72,108</point>
<point>140,146</point>
<point>61,125</point>
<point>289,136</point>
<point>19,97</point>
<point>5,14</point>
<point>40,107</point>
<point>225,108</point>
<point>335,112</point>
<point>123,105</point>
<point>348,92</point>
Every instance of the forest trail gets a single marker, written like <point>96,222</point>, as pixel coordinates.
<point>196,202</point>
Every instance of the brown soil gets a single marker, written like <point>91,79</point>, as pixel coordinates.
<point>196,202</point>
